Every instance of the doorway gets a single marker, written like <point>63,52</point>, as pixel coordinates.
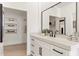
<point>14,32</point>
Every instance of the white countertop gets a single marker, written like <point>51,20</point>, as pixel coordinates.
<point>60,41</point>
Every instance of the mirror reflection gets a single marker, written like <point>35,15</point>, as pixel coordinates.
<point>60,19</point>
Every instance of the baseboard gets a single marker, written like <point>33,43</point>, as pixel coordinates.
<point>12,43</point>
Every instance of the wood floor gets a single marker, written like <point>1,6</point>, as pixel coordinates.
<point>15,50</point>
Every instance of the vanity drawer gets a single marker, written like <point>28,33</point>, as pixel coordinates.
<point>57,51</point>
<point>35,47</point>
<point>34,40</point>
<point>35,51</point>
<point>51,50</point>
<point>32,46</point>
<point>44,44</point>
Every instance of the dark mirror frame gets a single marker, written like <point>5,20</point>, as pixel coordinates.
<point>52,7</point>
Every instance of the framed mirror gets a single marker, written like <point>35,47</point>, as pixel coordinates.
<point>60,18</point>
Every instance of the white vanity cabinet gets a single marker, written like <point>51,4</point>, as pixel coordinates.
<point>39,48</point>
<point>34,47</point>
<point>42,48</point>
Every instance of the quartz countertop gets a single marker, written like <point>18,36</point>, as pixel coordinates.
<point>60,41</point>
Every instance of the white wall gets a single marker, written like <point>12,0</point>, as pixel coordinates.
<point>14,38</point>
<point>15,5</point>
<point>45,5</point>
<point>33,22</point>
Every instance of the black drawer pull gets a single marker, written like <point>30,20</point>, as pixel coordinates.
<point>40,51</point>
<point>30,55</point>
<point>57,51</point>
<point>32,45</point>
<point>32,52</point>
<point>33,40</point>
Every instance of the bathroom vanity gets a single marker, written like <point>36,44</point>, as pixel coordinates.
<point>61,34</point>
<point>51,46</point>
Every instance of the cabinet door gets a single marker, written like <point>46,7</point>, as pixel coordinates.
<point>45,49</point>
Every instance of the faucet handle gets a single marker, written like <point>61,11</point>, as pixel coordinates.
<point>51,33</point>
